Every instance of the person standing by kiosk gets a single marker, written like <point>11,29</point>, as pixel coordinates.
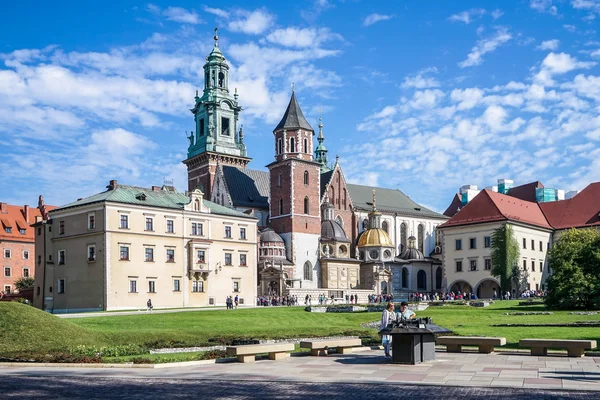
<point>405,314</point>
<point>387,317</point>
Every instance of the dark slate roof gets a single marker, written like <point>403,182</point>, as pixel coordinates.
<point>388,200</point>
<point>332,230</point>
<point>293,117</point>
<point>525,192</point>
<point>269,235</point>
<point>325,178</point>
<point>412,254</point>
<point>247,187</point>
<point>454,207</point>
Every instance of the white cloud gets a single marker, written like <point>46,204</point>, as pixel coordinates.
<point>543,6</point>
<point>374,18</point>
<point>427,98</point>
<point>589,5</point>
<point>549,45</point>
<point>561,63</point>
<point>216,11</point>
<point>468,16</point>
<point>176,14</point>
<point>301,37</point>
<point>570,28</point>
<point>420,81</point>
<point>484,46</point>
<point>252,23</point>
<point>496,14</point>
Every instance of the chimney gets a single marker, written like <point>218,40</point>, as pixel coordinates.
<point>156,188</point>
<point>26,213</point>
<point>3,208</point>
<point>112,185</point>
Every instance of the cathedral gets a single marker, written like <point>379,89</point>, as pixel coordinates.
<point>318,233</point>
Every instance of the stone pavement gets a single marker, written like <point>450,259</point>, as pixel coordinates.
<point>474,370</point>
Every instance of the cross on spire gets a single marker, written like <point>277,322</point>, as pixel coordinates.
<point>216,37</point>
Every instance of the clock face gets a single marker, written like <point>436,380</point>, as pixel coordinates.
<point>374,254</point>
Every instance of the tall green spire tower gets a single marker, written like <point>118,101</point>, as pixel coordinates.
<point>217,138</point>
<point>321,151</point>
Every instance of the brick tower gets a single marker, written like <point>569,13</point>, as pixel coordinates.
<point>217,139</point>
<point>295,201</point>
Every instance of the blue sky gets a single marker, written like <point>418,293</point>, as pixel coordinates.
<point>423,96</point>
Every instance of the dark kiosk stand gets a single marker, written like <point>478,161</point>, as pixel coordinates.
<point>413,341</point>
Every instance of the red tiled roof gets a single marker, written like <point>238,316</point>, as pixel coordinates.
<point>490,206</point>
<point>454,206</point>
<point>14,218</point>
<point>581,210</point>
<point>525,192</point>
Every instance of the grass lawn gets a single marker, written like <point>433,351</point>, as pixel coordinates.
<point>24,328</point>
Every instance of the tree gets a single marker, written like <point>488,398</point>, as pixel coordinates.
<point>24,283</point>
<point>520,278</point>
<point>505,255</point>
<point>575,264</point>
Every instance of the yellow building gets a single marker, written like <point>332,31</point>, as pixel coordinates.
<point>117,249</point>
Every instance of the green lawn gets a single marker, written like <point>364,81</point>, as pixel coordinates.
<point>23,328</point>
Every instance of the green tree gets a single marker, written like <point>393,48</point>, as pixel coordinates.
<point>505,255</point>
<point>575,264</point>
<point>24,283</point>
<point>520,278</point>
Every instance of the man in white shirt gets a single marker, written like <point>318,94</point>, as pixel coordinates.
<point>405,313</point>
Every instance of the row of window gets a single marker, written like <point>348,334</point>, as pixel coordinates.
<point>8,254</point>
<point>292,146</point>
<point>8,229</point>
<point>487,242</point>
<point>197,286</point>
<point>487,265</point>
<point>170,256</point>
<point>533,263</point>
<point>8,272</point>
<point>306,206</point>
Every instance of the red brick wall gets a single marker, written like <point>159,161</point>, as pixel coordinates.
<point>15,262</point>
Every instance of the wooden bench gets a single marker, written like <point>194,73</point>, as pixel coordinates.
<point>539,347</point>
<point>320,347</point>
<point>486,344</point>
<point>247,353</point>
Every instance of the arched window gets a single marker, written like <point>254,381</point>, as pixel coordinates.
<point>213,79</point>
<point>421,280</point>
<point>307,271</point>
<point>306,146</point>
<point>404,278</point>
<point>197,205</point>
<point>421,237</point>
<point>279,146</point>
<point>345,197</point>
<point>339,220</point>
<point>384,226</point>
<point>292,145</point>
<point>438,278</point>
<point>403,236</point>
<point>365,224</point>
<point>306,205</point>
<point>280,206</point>
<point>332,197</point>
<point>306,177</point>
<point>221,79</point>
<point>206,79</point>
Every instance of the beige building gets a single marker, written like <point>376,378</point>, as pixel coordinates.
<point>119,248</point>
<point>467,241</point>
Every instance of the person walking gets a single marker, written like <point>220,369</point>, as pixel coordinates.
<point>387,317</point>
<point>149,306</point>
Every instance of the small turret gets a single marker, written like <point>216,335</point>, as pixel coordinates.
<point>321,151</point>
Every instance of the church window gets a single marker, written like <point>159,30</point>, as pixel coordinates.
<point>365,224</point>
<point>384,226</point>
<point>206,79</point>
<point>403,236</point>
<point>306,146</point>
<point>221,79</point>
<point>280,206</point>
<point>213,78</point>
<point>438,278</point>
<point>306,208</point>
<point>421,280</point>
<point>197,205</point>
<point>225,126</point>
<point>405,278</point>
<point>339,220</point>
<point>306,177</point>
<point>345,199</point>
<point>374,254</point>
<point>307,271</point>
<point>292,145</point>
<point>332,195</point>
<point>421,235</point>
<point>201,127</point>
<point>279,146</point>
<point>279,180</point>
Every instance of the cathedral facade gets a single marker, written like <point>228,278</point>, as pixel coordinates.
<point>318,232</point>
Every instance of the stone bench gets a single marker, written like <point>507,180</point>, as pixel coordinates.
<point>539,347</point>
<point>247,353</point>
<point>486,344</point>
<point>320,347</point>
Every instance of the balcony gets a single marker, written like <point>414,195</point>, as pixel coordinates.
<point>199,269</point>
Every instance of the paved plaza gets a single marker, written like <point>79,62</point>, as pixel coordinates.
<point>360,375</point>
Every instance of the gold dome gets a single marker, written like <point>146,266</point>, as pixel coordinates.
<point>375,237</point>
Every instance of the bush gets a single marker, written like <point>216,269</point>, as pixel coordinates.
<point>212,355</point>
<point>108,351</point>
<point>24,283</point>
<point>57,357</point>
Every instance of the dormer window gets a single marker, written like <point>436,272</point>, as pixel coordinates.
<point>141,197</point>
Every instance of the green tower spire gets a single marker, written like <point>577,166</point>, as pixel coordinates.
<point>321,151</point>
